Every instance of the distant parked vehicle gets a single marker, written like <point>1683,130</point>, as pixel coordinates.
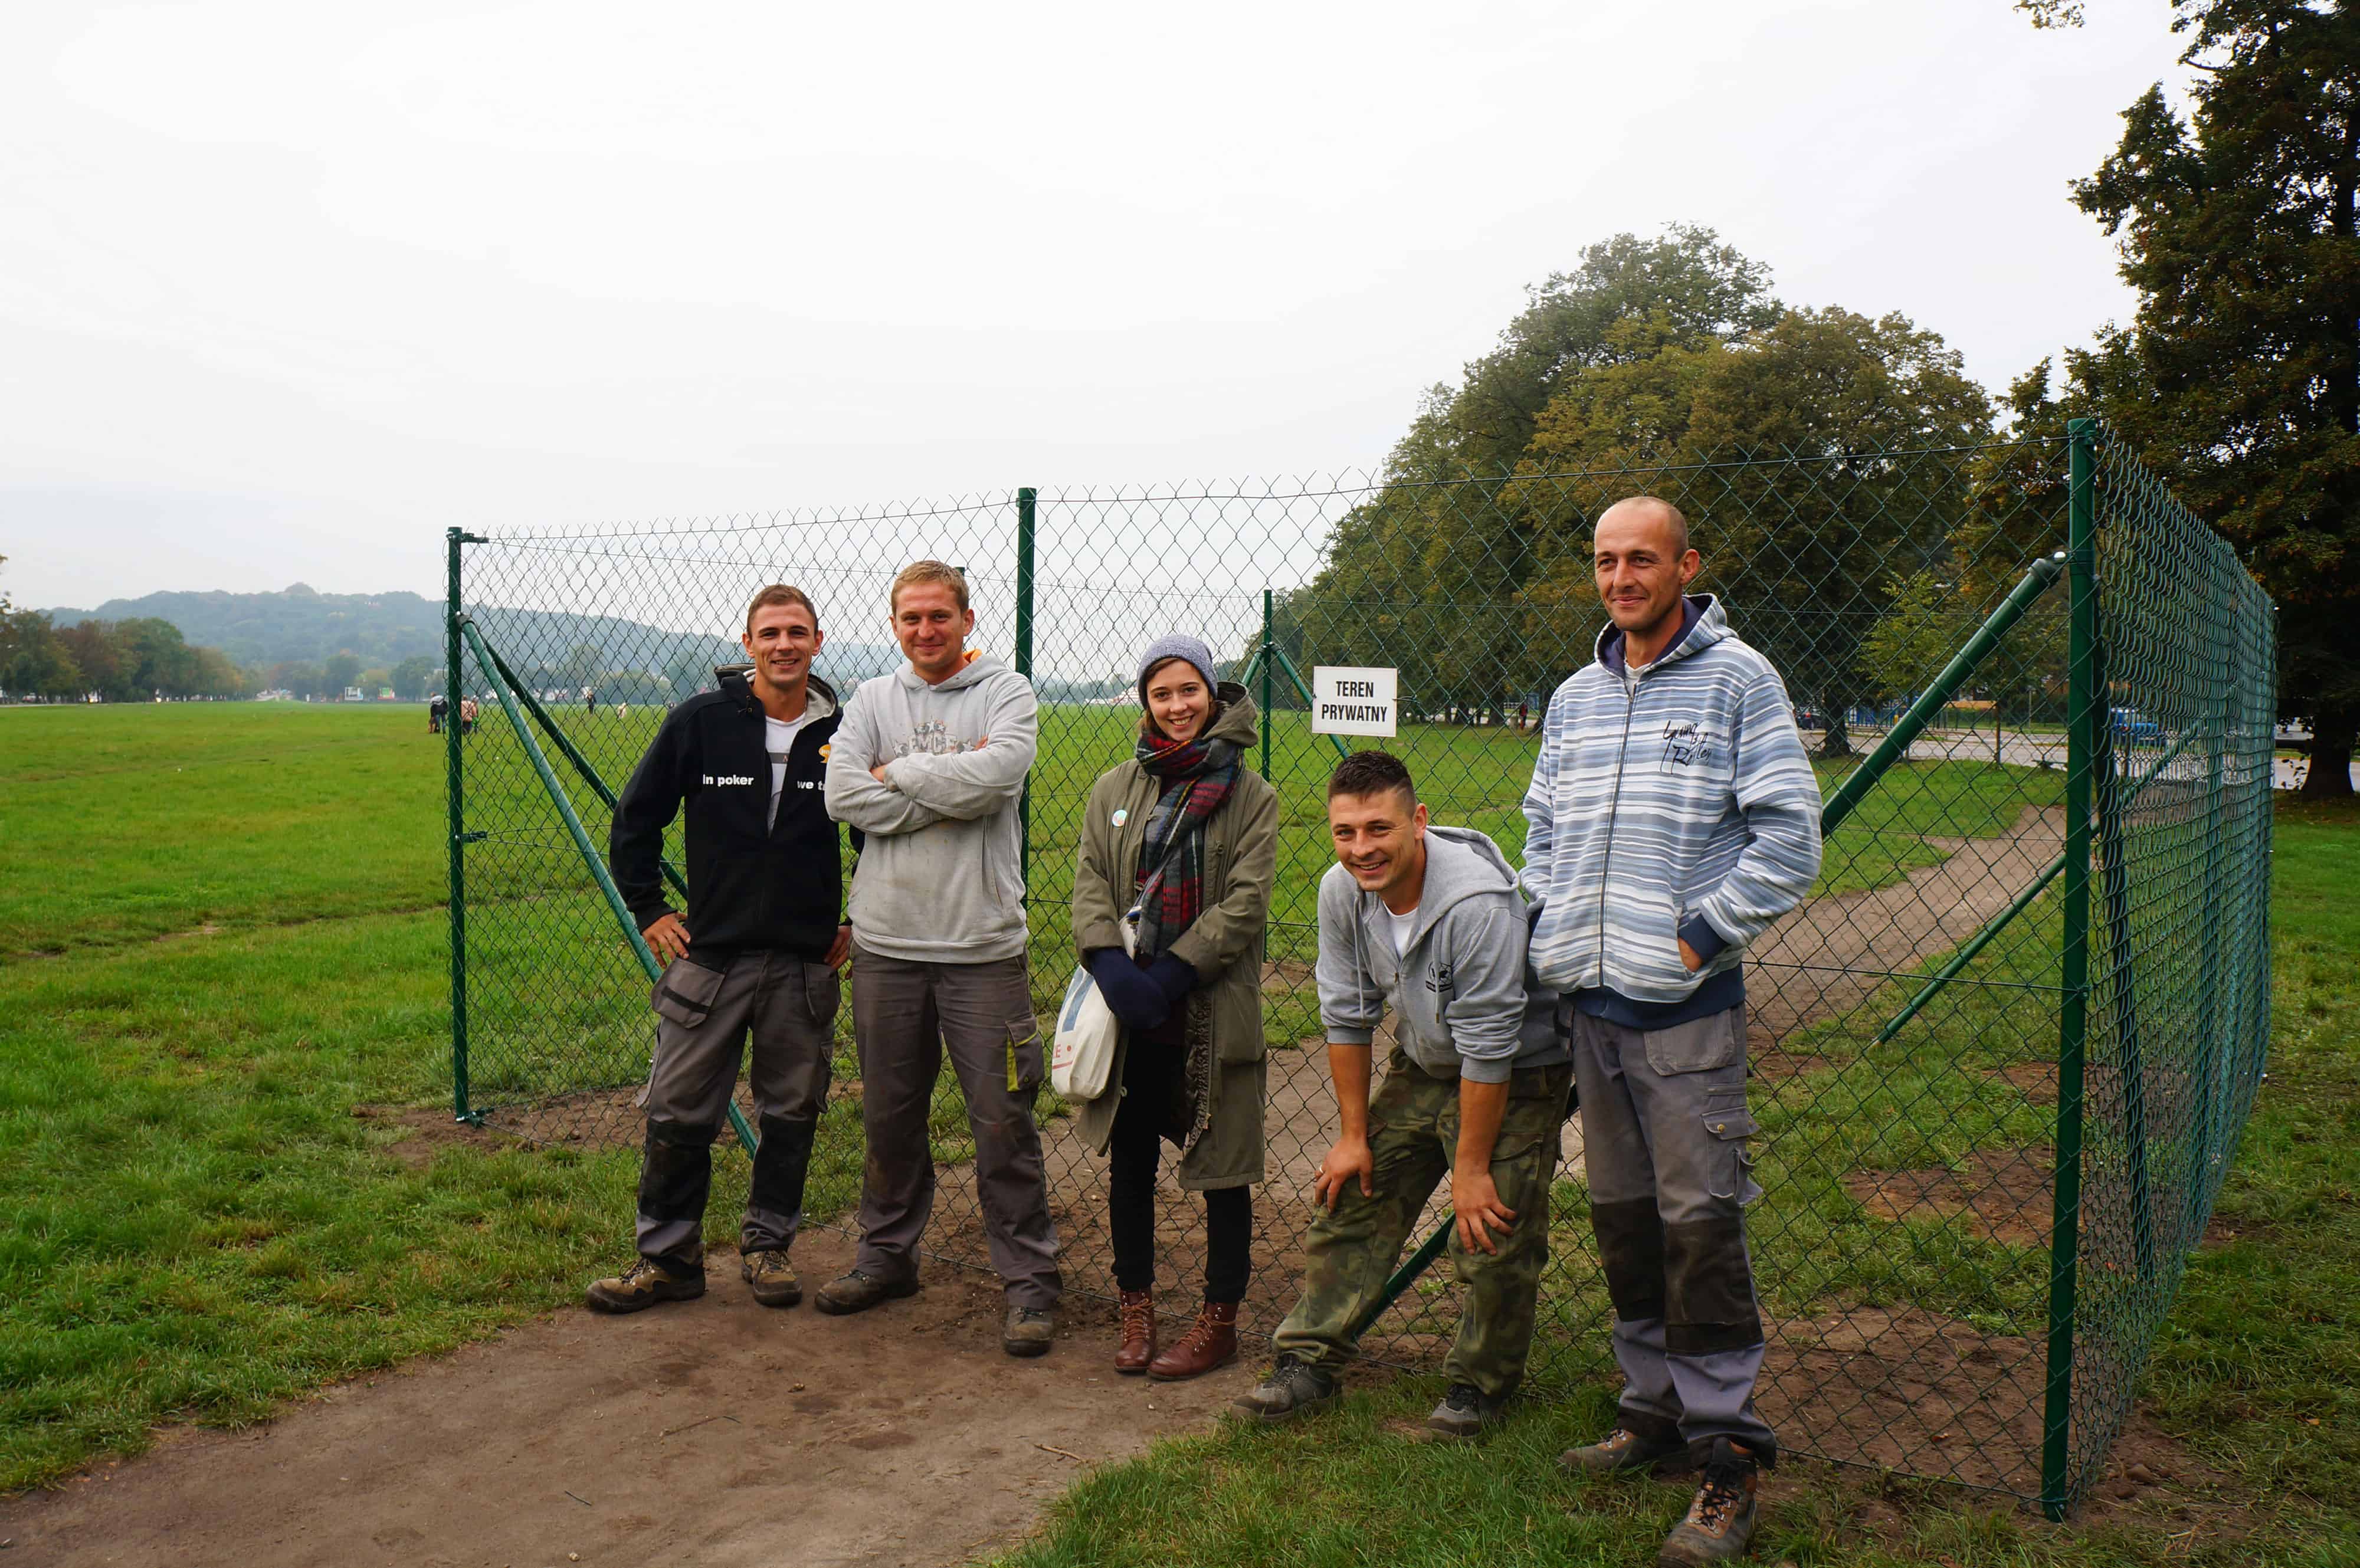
<point>1809,719</point>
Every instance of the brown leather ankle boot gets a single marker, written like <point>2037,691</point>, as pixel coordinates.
<point>1211,1341</point>
<point>1138,1348</point>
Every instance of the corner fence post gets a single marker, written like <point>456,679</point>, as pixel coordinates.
<point>1027,500</point>
<point>2084,712</point>
<point>456,805</point>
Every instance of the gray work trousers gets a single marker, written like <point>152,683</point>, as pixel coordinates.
<point>905,1016</point>
<point>707,1011</point>
<point>1664,1130</point>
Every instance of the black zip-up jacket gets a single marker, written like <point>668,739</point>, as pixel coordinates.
<point>752,882</point>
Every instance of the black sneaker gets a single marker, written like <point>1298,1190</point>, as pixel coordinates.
<point>857,1291</point>
<point>1294,1387</point>
<point>1465,1411</point>
<point>1720,1521</point>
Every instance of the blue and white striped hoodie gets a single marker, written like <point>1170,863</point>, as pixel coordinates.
<point>1673,800</point>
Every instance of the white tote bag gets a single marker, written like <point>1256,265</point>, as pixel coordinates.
<point>1082,1056</point>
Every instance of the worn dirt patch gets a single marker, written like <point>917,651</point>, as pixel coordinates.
<point>2002,1194</point>
<point>715,1431</point>
<point>2036,1079</point>
<point>421,1132</point>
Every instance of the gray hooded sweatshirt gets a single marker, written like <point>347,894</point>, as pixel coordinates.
<point>941,877</point>
<point>1463,1002</point>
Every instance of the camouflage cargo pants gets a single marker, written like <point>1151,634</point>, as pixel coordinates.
<point>1413,1139</point>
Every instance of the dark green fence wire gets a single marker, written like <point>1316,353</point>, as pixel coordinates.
<point>2000,1058</point>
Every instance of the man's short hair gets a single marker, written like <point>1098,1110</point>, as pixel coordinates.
<point>1369,773</point>
<point>920,572</point>
<point>781,594</point>
<point>1678,519</point>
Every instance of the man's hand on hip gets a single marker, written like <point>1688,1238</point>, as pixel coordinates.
<point>668,937</point>
<point>1350,1158</point>
<point>1475,1201</point>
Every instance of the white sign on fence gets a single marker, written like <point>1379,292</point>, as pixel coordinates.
<point>1353,700</point>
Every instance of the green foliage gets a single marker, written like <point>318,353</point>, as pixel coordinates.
<point>2240,375</point>
<point>129,660</point>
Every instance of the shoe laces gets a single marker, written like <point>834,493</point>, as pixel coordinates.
<point>1464,1397</point>
<point>1138,1314</point>
<point>1724,1490</point>
<point>641,1268</point>
<point>1200,1332</point>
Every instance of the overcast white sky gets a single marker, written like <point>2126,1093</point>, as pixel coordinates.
<point>287,288</point>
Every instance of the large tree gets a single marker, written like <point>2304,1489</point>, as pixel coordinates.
<point>2237,229</point>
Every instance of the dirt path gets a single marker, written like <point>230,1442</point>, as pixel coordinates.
<point>715,1432</point>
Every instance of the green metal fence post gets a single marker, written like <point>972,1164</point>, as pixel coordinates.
<point>2085,708</point>
<point>1269,645</point>
<point>1027,501</point>
<point>455,803</point>
<point>595,862</point>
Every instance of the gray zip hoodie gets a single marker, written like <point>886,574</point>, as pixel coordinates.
<point>941,877</point>
<point>1463,1001</point>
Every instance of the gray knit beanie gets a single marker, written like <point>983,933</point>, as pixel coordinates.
<point>1176,646</point>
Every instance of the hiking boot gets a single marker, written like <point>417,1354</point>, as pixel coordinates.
<point>1294,1387</point>
<point>1211,1341</point>
<point>1466,1411</point>
<point>647,1281</point>
<point>1138,1348</point>
<point>773,1278</point>
<point>1029,1331</point>
<point>857,1291</point>
<point>1624,1450</point>
<point>1720,1522</point>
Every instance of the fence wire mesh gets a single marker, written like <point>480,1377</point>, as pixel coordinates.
<point>1914,1067</point>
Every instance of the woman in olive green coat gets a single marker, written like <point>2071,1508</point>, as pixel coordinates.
<point>1180,843</point>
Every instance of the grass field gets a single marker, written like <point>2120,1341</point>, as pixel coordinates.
<point>221,931</point>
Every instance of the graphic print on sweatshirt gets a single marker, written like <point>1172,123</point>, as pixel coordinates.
<point>931,737</point>
<point>1689,745</point>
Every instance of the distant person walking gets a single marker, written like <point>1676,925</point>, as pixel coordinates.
<point>589,698</point>
<point>755,961</point>
<point>437,706</point>
<point>1180,844</point>
<point>1672,818</point>
<point>930,765</point>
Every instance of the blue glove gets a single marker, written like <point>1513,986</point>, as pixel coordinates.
<point>1175,977</point>
<point>1136,1001</point>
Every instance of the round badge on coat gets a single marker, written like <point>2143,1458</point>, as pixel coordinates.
<point>1121,815</point>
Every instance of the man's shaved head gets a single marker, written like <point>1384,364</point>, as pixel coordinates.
<point>1651,509</point>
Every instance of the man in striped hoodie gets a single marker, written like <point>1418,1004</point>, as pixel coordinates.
<point>1673,817</point>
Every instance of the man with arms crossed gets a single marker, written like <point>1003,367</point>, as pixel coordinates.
<point>1425,921</point>
<point>930,766</point>
<point>756,957</point>
<point>1673,817</point>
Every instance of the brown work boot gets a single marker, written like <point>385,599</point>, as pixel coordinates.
<point>1720,1522</point>
<point>773,1278</point>
<point>1211,1341</point>
<point>647,1281</point>
<point>1138,1308</point>
<point>1638,1442</point>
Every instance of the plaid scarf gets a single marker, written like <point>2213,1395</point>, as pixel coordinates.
<point>1196,777</point>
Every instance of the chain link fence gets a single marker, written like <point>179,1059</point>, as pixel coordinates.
<point>2000,1057</point>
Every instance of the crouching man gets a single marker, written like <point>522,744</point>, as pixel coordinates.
<point>1425,921</point>
<point>756,958</point>
<point>1672,817</point>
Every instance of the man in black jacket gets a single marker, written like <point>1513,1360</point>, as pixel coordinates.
<point>755,956</point>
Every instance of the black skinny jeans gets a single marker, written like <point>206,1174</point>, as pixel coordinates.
<point>1151,1080</point>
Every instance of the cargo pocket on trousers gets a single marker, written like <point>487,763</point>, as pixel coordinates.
<point>1025,1057</point>
<point>1700,1045</point>
<point>1732,1128</point>
<point>684,992</point>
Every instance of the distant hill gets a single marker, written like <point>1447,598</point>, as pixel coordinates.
<point>299,624</point>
